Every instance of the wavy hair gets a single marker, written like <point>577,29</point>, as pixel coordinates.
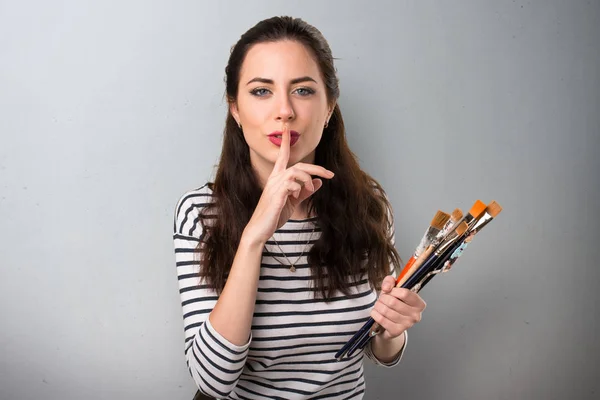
<point>348,246</point>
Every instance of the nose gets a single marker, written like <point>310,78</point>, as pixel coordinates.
<point>285,110</point>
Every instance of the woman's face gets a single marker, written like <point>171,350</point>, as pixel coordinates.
<point>280,82</point>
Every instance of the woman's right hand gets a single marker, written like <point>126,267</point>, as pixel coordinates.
<point>285,189</point>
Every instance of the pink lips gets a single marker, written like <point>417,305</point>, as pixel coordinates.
<point>294,136</point>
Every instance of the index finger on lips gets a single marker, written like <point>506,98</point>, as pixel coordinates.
<point>284,151</point>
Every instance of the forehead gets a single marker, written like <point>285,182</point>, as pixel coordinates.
<point>281,60</point>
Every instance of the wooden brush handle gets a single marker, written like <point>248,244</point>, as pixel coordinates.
<point>405,269</point>
<point>418,262</point>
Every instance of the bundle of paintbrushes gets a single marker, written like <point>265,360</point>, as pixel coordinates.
<point>443,243</point>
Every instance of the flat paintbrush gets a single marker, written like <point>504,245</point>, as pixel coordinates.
<point>438,223</point>
<point>447,235</point>
<point>425,261</point>
<point>475,212</point>
<point>491,212</point>
<point>468,221</point>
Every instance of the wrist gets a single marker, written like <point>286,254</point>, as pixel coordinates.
<point>387,349</point>
<point>251,241</point>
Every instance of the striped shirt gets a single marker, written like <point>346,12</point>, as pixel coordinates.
<point>290,352</point>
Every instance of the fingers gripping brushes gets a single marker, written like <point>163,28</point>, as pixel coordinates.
<point>444,241</point>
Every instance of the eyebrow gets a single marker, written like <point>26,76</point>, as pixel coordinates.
<point>270,81</point>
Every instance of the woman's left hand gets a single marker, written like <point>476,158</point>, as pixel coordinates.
<point>397,309</point>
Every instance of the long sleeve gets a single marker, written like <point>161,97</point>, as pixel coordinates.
<point>214,363</point>
<point>369,354</point>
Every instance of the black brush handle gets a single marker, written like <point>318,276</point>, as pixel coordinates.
<point>366,327</point>
<point>427,266</point>
<point>433,263</point>
<point>358,342</point>
<point>361,338</point>
<point>362,343</point>
<point>445,257</point>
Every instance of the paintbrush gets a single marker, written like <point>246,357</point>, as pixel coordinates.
<point>437,224</point>
<point>356,339</point>
<point>440,221</point>
<point>422,255</point>
<point>448,236</point>
<point>469,220</point>
<point>444,241</point>
<point>419,268</point>
<point>455,217</point>
<point>424,262</point>
<point>491,212</point>
<point>474,213</point>
<point>437,255</point>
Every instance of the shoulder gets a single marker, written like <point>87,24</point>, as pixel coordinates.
<point>196,197</point>
<point>188,208</point>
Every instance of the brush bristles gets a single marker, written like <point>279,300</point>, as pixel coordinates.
<point>493,209</point>
<point>462,228</point>
<point>456,215</point>
<point>439,220</point>
<point>477,209</point>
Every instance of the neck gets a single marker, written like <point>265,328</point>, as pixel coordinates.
<point>301,212</point>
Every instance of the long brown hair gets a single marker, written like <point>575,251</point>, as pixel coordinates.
<point>352,210</point>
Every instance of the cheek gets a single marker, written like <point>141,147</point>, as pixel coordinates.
<point>319,109</point>
<point>313,115</point>
<point>252,112</point>
<point>312,142</point>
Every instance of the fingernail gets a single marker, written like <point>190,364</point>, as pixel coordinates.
<point>386,286</point>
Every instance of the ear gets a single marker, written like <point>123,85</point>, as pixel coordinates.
<point>233,109</point>
<point>330,111</point>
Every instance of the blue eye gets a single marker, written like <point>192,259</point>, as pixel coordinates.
<point>305,91</point>
<point>259,92</point>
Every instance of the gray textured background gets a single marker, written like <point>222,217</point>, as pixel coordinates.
<point>110,110</point>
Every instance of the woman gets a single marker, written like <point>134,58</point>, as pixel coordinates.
<point>282,258</point>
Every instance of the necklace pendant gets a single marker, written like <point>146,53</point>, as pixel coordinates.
<point>292,268</point>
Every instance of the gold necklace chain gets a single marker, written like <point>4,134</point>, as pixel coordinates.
<point>292,264</point>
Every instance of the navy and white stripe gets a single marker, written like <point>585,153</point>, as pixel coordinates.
<point>290,352</point>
